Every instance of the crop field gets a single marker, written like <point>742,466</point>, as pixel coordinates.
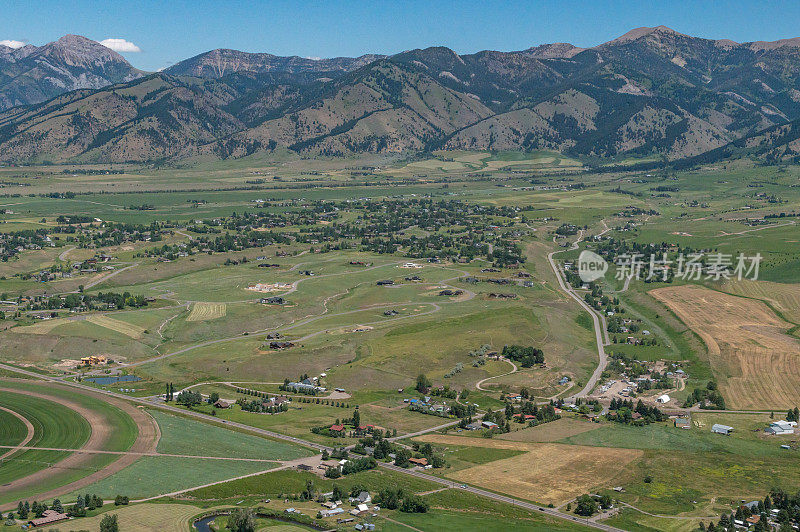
<point>180,435</point>
<point>121,327</point>
<point>147,517</point>
<point>545,473</point>
<point>146,477</point>
<point>550,432</point>
<point>54,426</point>
<point>756,362</point>
<point>206,311</point>
<point>785,298</point>
<point>63,419</point>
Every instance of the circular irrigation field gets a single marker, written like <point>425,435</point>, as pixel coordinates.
<point>43,425</point>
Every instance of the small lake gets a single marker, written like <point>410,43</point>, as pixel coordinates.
<point>104,381</point>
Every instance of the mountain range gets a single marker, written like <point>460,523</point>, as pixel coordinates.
<point>650,92</point>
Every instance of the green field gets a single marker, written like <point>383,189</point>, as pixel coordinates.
<point>180,435</point>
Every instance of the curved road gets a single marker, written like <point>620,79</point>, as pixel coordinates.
<point>599,329</point>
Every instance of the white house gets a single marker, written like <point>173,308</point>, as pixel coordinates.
<point>781,427</point>
<point>663,399</point>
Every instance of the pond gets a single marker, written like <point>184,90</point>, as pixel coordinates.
<point>103,381</point>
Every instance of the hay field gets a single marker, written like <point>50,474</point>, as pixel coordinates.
<point>755,362</point>
<point>122,327</point>
<point>147,517</point>
<point>546,472</point>
<point>207,311</point>
<point>785,298</point>
<point>550,432</point>
<point>42,327</point>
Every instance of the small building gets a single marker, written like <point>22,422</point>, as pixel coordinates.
<point>662,399</point>
<point>48,517</point>
<point>683,423</point>
<point>362,498</point>
<point>359,509</point>
<point>489,424</point>
<point>422,462</point>
<point>721,429</point>
<point>221,403</point>
<point>337,428</point>
<point>332,512</point>
<point>781,427</point>
<point>385,282</point>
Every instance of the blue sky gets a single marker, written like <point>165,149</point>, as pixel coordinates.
<point>167,31</point>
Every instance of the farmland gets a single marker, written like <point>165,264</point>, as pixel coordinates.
<point>361,289</point>
<point>546,473</point>
<point>755,360</point>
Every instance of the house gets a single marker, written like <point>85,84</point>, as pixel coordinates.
<point>781,427</point>
<point>280,345</point>
<point>489,424</point>
<point>274,300</point>
<point>362,498</point>
<point>662,399</point>
<point>93,359</point>
<point>359,509</point>
<point>221,403</point>
<point>683,423</point>
<point>721,429</point>
<point>422,462</point>
<point>337,428</point>
<point>49,517</point>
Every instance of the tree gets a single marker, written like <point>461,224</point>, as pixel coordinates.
<point>337,494</point>
<point>242,520</point>
<point>356,418</point>
<point>109,523</point>
<point>414,504</point>
<point>401,457</point>
<point>422,383</point>
<point>585,506</point>
<point>57,506</point>
<point>213,398</point>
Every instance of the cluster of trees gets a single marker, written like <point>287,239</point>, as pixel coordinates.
<point>708,397</point>
<point>623,411</point>
<point>793,415</point>
<point>541,414</point>
<point>189,398</point>
<point>84,503</point>
<point>90,302</point>
<point>352,466</point>
<point>786,519</point>
<point>587,505</point>
<point>526,356</point>
<point>260,407</point>
<point>397,499</point>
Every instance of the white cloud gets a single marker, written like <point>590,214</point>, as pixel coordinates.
<point>313,58</point>
<point>120,45</point>
<point>12,44</point>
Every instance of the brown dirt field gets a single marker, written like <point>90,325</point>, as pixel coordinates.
<point>550,432</point>
<point>146,441</point>
<point>547,473</point>
<point>755,362</point>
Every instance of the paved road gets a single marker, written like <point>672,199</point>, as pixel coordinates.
<point>599,329</point>
<point>276,435</point>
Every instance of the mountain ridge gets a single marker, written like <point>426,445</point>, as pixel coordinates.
<point>651,91</point>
